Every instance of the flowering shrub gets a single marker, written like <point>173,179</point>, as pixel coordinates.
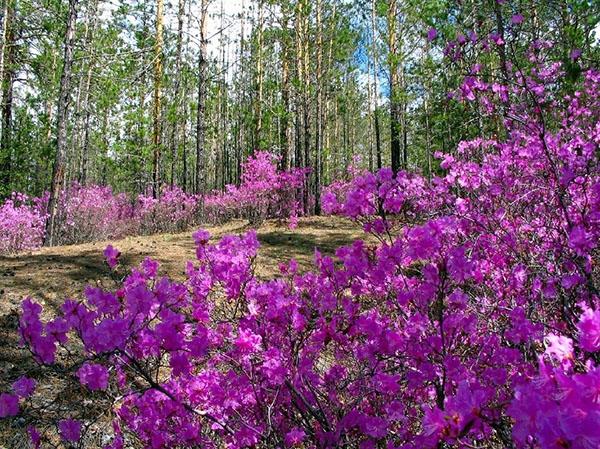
<point>89,213</point>
<point>93,213</point>
<point>174,210</point>
<point>264,192</point>
<point>22,224</point>
<point>475,322</point>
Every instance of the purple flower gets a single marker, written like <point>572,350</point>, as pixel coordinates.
<point>247,341</point>
<point>581,241</point>
<point>149,267</point>
<point>34,436</point>
<point>575,54</point>
<point>294,437</point>
<point>432,34</point>
<point>9,405</point>
<point>24,387</point>
<point>589,330</point>
<point>517,19</point>
<point>70,430</point>
<point>201,237</point>
<point>497,39</point>
<point>112,255</point>
<point>559,348</point>
<point>93,376</point>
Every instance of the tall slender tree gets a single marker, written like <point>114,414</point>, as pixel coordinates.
<point>175,127</point>
<point>156,106</point>
<point>85,150</point>
<point>58,171</point>
<point>202,91</point>
<point>375,59</point>
<point>7,77</point>
<point>318,106</point>
<point>394,75</point>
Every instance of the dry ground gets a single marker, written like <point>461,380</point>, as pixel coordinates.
<point>50,275</point>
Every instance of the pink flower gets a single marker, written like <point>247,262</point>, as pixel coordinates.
<point>559,347</point>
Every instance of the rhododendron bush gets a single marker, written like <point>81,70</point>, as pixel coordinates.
<point>22,224</point>
<point>174,210</point>
<point>89,213</point>
<point>264,192</point>
<point>475,322</point>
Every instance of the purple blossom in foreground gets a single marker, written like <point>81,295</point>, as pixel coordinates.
<point>9,405</point>
<point>70,430</point>
<point>470,314</point>
<point>24,387</point>
<point>111,255</point>
<point>432,34</point>
<point>93,376</point>
<point>517,19</point>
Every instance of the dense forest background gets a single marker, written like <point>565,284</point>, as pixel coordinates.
<point>142,94</point>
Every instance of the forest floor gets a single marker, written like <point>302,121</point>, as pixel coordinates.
<point>49,275</point>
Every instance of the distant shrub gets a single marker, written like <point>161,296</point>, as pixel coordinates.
<point>265,192</point>
<point>22,223</point>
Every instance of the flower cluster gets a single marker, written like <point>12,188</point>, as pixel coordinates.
<point>91,213</point>
<point>264,192</point>
<point>22,389</point>
<point>174,210</point>
<point>22,224</point>
<point>474,322</point>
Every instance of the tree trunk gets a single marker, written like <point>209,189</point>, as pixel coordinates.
<point>375,89</point>
<point>58,171</point>
<point>86,101</point>
<point>501,48</point>
<point>395,106</point>
<point>176,91</point>
<point>286,136</point>
<point>257,140</point>
<point>404,118</point>
<point>319,110</point>
<point>306,102</point>
<point>240,116</point>
<point>299,142</point>
<point>426,100</point>
<point>7,75</point>
<point>156,109</point>
<point>201,108</point>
